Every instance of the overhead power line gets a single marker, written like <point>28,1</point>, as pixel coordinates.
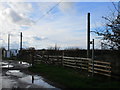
<point>48,11</point>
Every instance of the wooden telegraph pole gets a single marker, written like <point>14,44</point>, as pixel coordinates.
<point>20,41</point>
<point>8,42</point>
<point>8,51</point>
<point>20,52</point>
<point>88,35</point>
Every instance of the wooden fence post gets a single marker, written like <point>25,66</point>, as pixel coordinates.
<point>57,62</point>
<point>89,66</point>
<point>80,65</point>
<point>75,62</point>
<point>110,69</point>
<point>62,61</point>
<point>32,56</point>
<point>48,58</point>
<point>93,58</point>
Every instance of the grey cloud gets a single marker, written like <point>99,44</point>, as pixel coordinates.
<point>17,18</point>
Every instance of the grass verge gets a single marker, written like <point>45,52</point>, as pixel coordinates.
<point>70,78</point>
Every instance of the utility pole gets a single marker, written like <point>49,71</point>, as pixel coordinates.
<point>20,52</point>
<point>88,35</point>
<point>8,42</point>
<point>8,51</point>
<point>20,41</point>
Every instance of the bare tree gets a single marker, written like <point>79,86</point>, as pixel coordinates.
<point>111,32</point>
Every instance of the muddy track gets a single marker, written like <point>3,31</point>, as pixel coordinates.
<point>18,77</point>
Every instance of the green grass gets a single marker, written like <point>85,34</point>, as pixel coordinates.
<point>70,78</point>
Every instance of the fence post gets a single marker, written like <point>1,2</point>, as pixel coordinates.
<point>75,62</point>
<point>93,57</point>
<point>48,58</point>
<point>32,56</point>
<point>57,62</point>
<point>8,64</point>
<point>62,58</point>
<point>88,64</point>
<point>110,69</point>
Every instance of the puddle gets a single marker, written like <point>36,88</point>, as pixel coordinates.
<point>16,77</point>
<point>25,64</point>
<point>3,63</point>
<point>8,83</point>
<point>16,73</point>
<point>37,80</point>
<point>7,66</point>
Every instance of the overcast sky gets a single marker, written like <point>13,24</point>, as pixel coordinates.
<point>65,25</point>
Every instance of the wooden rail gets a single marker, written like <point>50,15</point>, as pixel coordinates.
<point>76,62</point>
<point>98,67</point>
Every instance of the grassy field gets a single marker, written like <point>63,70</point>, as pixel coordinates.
<point>70,78</point>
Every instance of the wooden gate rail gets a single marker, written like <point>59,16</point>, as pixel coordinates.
<point>100,67</point>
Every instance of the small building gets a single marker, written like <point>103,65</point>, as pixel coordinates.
<point>14,52</point>
<point>8,53</point>
<point>3,51</point>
